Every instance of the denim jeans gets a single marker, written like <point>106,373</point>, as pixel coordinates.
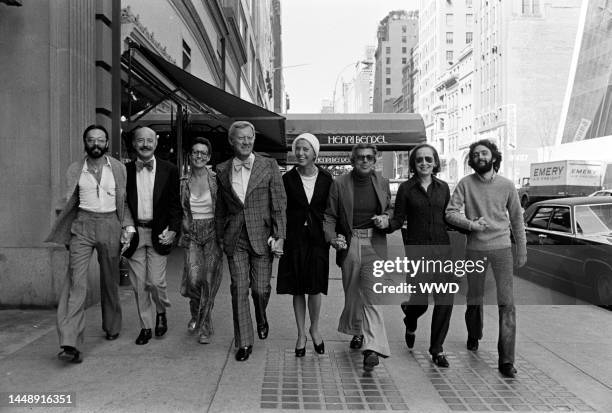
<point>501,262</point>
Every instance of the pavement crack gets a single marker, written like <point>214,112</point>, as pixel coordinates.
<point>227,357</point>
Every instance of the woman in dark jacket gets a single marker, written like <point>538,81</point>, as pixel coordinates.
<point>304,267</point>
<point>421,201</point>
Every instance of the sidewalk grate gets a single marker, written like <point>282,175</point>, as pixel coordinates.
<point>473,383</point>
<point>332,381</point>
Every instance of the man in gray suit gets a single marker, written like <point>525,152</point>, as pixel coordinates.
<point>95,217</point>
<point>250,223</point>
<point>357,215</point>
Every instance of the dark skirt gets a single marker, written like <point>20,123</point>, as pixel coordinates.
<point>304,268</point>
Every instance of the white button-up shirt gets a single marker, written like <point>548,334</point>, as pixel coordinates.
<point>145,180</point>
<point>94,196</point>
<point>240,179</point>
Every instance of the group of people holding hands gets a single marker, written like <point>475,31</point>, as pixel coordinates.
<point>248,211</point>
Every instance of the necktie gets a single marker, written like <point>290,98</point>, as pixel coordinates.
<point>238,164</point>
<point>147,164</point>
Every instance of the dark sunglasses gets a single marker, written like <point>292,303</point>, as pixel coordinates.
<point>365,158</point>
<point>428,159</point>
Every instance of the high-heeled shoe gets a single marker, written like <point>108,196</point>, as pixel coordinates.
<point>318,348</point>
<point>301,352</point>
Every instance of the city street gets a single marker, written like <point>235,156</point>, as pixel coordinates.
<point>562,360</point>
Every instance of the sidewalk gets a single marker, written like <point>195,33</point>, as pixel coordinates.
<point>563,362</point>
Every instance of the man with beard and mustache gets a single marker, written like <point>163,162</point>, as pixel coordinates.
<point>96,216</point>
<point>154,200</point>
<point>250,224</point>
<point>487,205</point>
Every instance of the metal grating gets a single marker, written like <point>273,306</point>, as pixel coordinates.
<point>473,383</point>
<point>332,381</point>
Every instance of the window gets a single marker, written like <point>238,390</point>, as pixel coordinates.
<point>388,81</point>
<point>468,3</point>
<point>469,36</point>
<point>388,60</point>
<point>449,19</point>
<point>449,37</point>
<point>186,57</point>
<point>469,20</point>
<point>388,70</point>
<point>404,60</point>
<point>560,220</point>
<point>449,56</point>
<point>388,50</point>
<point>388,91</point>
<point>540,218</point>
<point>531,8</point>
<point>404,51</point>
<point>404,29</point>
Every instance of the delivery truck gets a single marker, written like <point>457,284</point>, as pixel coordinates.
<point>560,179</point>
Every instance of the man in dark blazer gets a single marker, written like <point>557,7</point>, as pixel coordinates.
<point>250,220</point>
<point>357,215</point>
<point>153,199</point>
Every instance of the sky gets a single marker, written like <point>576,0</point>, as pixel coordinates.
<point>321,38</point>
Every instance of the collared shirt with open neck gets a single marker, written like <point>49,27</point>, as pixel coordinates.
<point>240,179</point>
<point>145,181</point>
<point>94,196</point>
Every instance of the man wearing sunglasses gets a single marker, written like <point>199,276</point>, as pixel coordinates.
<point>487,205</point>
<point>355,223</point>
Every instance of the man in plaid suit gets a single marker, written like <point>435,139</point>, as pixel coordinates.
<point>250,220</point>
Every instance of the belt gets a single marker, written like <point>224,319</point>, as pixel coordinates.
<point>145,224</point>
<point>363,233</point>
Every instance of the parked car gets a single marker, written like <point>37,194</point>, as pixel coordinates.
<point>603,192</point>
<point>569,243</point>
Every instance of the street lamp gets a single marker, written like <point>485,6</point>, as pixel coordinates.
<point>356,64</point>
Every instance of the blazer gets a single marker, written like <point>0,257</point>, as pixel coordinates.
<point>167,211</point>
<point>186,204</point>
<point>339,213</point>
<point>300,211</point>
<point>263,211</point>
<point>60,232</point>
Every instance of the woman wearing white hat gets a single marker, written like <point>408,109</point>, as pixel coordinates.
<point>304,267</point>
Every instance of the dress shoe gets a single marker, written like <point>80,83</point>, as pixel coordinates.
<point>318,348</point>
<point>262,331</point>
<point>112,337</point>
<point>440,360</point>
<point>161,325</point>
<point>508,370</point>
<point>409,336</point>
<point>370,360</point>
<point>472,344</point>
<point>203,339</point>
<point>192,325</point>
<point>243,353</point>
<point>70,355</point>
<point>144,336</point>
<point>356,342</point>
<point>301,351</point>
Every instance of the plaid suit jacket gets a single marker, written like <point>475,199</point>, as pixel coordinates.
<point>60,233</point>
<point>263,211</point>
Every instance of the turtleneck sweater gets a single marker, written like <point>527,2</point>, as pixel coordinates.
<point>365,203</point>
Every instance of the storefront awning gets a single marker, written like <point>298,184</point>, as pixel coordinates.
<point>270,126</point>
<point>340,131</point>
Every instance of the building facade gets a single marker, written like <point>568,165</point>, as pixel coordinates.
<point>397,35</point>
<point>63,66</point>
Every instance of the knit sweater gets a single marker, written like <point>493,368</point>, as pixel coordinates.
<point>496,200</point>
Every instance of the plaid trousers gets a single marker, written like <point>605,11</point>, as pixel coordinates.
<point>248,269</point>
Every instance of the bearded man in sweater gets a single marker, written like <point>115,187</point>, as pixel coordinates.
<point>487,205</point>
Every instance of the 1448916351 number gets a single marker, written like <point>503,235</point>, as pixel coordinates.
<point>33,399</point>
